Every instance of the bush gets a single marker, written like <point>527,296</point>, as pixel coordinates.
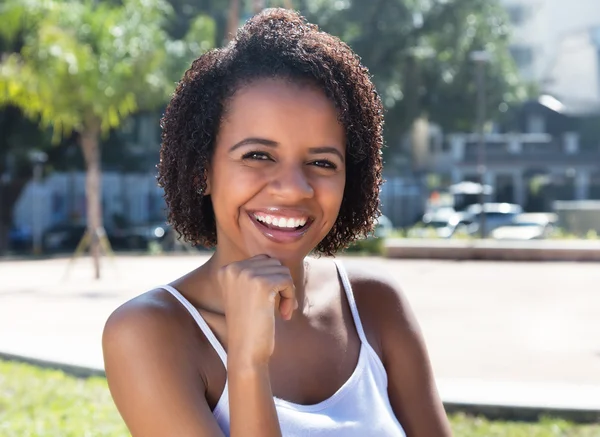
<point>368,246</point>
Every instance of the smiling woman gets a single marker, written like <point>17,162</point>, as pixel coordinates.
<point>286,164</point>
<point>272,151</point>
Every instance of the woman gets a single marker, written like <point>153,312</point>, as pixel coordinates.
<point>272,150</point>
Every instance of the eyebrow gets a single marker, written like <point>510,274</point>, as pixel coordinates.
<point>273,144</point>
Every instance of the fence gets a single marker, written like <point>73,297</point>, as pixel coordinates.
<point>403,201</point>
<point>61,198</point>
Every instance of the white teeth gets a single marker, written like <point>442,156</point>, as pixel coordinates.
<point>281,222</point>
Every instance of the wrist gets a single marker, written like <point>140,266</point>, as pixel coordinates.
<point>240,364</point>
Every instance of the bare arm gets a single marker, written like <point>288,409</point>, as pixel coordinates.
<point>252,410</point>
<point>254,290</point>
<point>155,388</point>
<point>158,389</point>
<point>411,388</point>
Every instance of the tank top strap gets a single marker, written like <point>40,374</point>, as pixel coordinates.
<point>350,296</point>
<point>215,343</point>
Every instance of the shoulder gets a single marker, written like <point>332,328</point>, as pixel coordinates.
<point>376,290</point>
<point>150,312</point>
<point>382,304</point>
<point>155,368</point>
<point>146,326</point>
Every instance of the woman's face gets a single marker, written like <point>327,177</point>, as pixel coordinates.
<point>278,173</point>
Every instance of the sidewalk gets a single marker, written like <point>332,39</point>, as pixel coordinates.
<point>518,336</point>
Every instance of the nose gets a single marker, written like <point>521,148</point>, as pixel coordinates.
<point>290,183</point>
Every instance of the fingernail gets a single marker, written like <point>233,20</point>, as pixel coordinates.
<point>295,304</point>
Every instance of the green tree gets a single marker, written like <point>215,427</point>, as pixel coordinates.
<point>224,12</point>
<point>419,54</point>
<point>86,66</point>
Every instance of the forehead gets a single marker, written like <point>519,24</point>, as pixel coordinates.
<point>285,109</point>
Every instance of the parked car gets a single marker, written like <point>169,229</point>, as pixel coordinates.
<point>62,237</point>
<point>496,215</point>
<point>532,226</point>
<point>20,239</point>
<point>383,227</point>
<point>443,223</point>
<point>65,237</point>
<point>138,237</point>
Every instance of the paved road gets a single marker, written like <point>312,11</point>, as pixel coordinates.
<point>499,322</point>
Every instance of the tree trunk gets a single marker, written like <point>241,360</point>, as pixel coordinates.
<point>9,194</point>
<point>419,138</point>
<point>3,237</point>
<point>233,20</point>
<point>93,191</point>
<point>257,6</point>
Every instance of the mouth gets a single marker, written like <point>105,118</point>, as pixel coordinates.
<point>280,228</point>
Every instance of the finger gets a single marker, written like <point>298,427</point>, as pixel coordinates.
<point>284,287</point>
<point>287,302</point>
<point>287,308</point>
<point>273,296</point>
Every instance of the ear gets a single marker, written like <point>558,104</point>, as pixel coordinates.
<point>207,175</point>
<point>202,190</point>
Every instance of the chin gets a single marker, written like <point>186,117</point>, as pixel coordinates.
<point>281,252</point>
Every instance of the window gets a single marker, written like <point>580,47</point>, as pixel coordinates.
<point>536,124</point>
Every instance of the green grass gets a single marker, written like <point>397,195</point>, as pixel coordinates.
<point>465,426</point>
<point>37,402</point>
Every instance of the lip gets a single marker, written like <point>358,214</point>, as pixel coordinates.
<point>281,236</point>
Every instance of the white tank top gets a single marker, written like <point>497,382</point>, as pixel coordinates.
<point>360,408</point>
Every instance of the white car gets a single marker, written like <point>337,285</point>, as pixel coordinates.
<point>496,215</point>
<point>383,227</point>
<point>442,223</point>
<point>532,226</point>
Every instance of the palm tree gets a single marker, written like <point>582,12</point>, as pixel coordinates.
<point>86,66</point>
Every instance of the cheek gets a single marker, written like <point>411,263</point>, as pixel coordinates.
<point>331,193</point>
<point>234,187</point>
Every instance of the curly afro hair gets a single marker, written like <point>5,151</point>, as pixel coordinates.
<point>276,43</point>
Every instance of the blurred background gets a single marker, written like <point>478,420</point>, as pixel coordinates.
<point>491,205</point>
<point>494,103</point>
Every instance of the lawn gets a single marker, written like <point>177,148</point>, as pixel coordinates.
<point>37,402</point>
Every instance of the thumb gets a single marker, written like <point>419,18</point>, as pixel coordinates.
<point>287,302</point>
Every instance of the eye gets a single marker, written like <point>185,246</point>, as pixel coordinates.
<point>323,163</point>
<point>257,156</point>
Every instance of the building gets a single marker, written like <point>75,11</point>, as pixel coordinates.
<point>548,151</point>
<point>549,38</point>
<point>540,158</point>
